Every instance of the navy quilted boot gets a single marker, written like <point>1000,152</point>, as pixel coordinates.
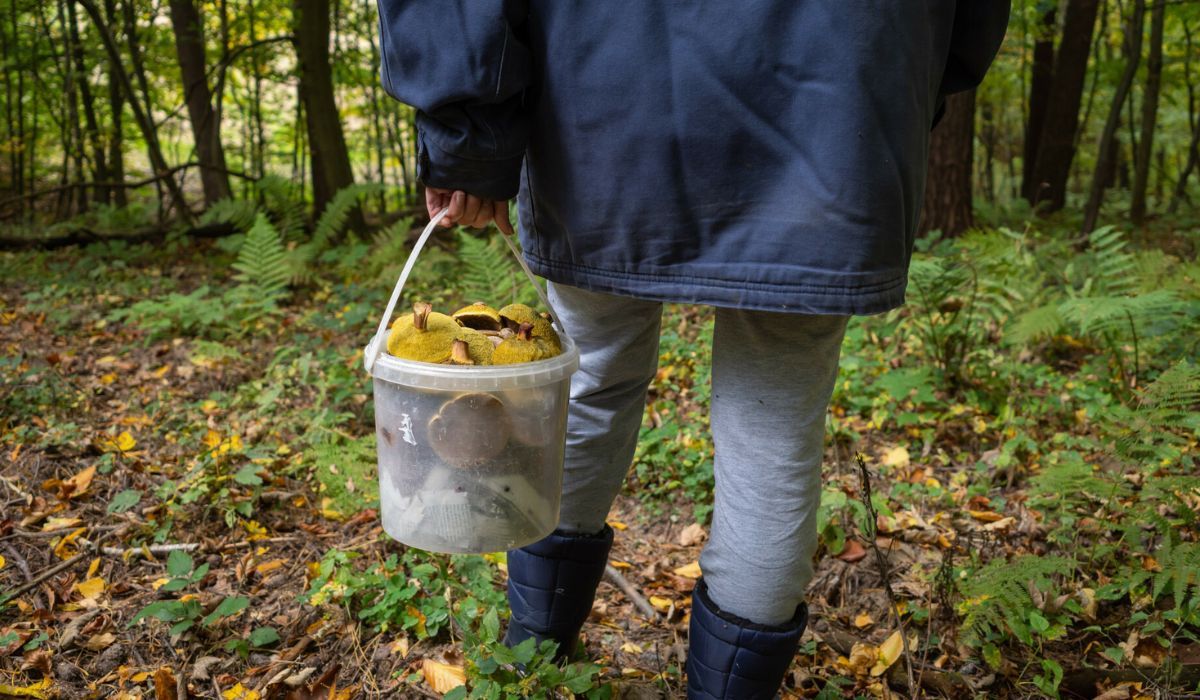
<point>551,586</point>
<point>729,657</point>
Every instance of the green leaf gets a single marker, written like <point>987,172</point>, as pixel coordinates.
<point>263,636</point>
<point>179,563</point>
<point>175,584</point>
<point>124,501</point>
<point>458,693</point>
<point>228,607</point>
<point>525,651</point>
<point>1116,654</point>
<point>991,655</point>
<point>165,610</point>
<point>1038,623</point>
<point>248,476</point>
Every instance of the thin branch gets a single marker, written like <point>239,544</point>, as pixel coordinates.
<point>639,601</point>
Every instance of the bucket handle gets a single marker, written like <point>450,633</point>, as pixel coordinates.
<point>371,353</point>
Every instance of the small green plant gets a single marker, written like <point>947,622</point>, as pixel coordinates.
<point>186,612</point>
<point>524,671</point>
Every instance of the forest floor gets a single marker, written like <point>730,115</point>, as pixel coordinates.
<point>212,474</point>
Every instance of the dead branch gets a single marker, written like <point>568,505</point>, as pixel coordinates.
<point>639,601</point>
<point>85,236</point>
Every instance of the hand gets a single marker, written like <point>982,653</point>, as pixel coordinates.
<point>467,209</point>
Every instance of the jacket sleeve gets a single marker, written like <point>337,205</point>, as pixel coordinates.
<point>979,27</point>
<point>463,66</point>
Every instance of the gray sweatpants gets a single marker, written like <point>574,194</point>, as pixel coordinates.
<point>772,377</point>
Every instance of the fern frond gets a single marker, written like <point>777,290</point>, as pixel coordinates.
<point>262,261</point>
<point>281,198</point>
<point>337,212</point>
<point>239,212</point>
<point>997,596</point>
<point>1118,314</point>
<point>489,274</point>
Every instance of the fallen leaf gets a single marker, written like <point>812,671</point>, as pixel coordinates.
<point>661,603</point>
<point>863,620</point>
<point>692,535</point>
<point>852,552</point>
<point>617,525</point>
<point>62,549</point>
<point>897,457</point>
<point>240,692</point>
<point>689,570</point>
<point>631,648</point>
<point>889,651</point>
<point>268,566</point>
<point>443,677</point>
<point>41,690</point>
<point>986,516</point>
<point>99,641</point>
<point>60,524</point>
<point>1001,524</point>
<point>91,588</point>
<point>203,666</point>
<point>164,684</point>
<point>2,561</point>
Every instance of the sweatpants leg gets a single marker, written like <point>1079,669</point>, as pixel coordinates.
<point>772,378</point>
<point>618,346</point>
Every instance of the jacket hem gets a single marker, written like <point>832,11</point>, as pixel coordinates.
<point>817,298</point>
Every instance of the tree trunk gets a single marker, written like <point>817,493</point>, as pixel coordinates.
<point>1133,50</point>
<point>206,128</point>
<point>116,148</point>
<point>947,206</point>
<point>1193,152</point>
<point>1041,79</point>
<point>99,156</point>
<point>1056,146</point>
<point>330,158</point>
<point>141,116</point>
<point>1145,151</point>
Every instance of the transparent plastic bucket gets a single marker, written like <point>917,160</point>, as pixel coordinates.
<point>470,458</point>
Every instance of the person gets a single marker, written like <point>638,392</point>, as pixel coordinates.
<point>766,158</point>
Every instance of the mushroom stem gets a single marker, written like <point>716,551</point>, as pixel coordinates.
<point>459,354</point>
<point>525,332</point>
<point>421,311</point>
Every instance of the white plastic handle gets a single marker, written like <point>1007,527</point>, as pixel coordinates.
<point>371,352</point>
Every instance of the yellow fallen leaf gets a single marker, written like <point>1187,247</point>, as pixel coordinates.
<point>106,360</point>
<point>108,378</point>
<point>41,690</point>
<point>2,562</point>
<point>93,568</point>
<point>631,648</point>
<point>442,677</point>
<point>268,566</point>
<point>125,441</point>
<point>863,620</point>
<point>889,651</point>
<point>60,523</point>
<point>91,588</point>
<point>240,692</point>
<point>159,583</point>
<point>62,546</point>
<point>79,483</point>
<point>212,438</point>
<point>100,641</point>
<point>617,525</point>
<point>329,512</point>
<point>618,564</point>
<point>689,570</point>
<point>661,603</point>
<point>208,406</point>
<point>1001,524</point>
<point>897,457</point>
<point>986,516</point>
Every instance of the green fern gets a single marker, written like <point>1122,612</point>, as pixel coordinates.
<point>337,212</point>
<point>489,272</point>
<point>239,212</point>
<point>997,598</point>
<point>287,207</point>
<point>262,261</point>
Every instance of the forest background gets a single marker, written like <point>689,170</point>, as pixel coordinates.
<point>203,206</point>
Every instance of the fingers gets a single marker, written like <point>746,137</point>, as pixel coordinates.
<point>471,212</point>
<point>500,214</point>
<point>436,200</point>
<point>467,210</point>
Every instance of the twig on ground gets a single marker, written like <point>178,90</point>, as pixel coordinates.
<point>885,571</point>
<point>36,580</point>
<point>639,601</point>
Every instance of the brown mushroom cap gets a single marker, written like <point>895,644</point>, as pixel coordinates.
<point>469,430</point>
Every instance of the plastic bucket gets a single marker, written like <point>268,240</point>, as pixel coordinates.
<point>470,458</point>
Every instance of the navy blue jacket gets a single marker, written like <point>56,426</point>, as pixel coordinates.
<point>761,154</point>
